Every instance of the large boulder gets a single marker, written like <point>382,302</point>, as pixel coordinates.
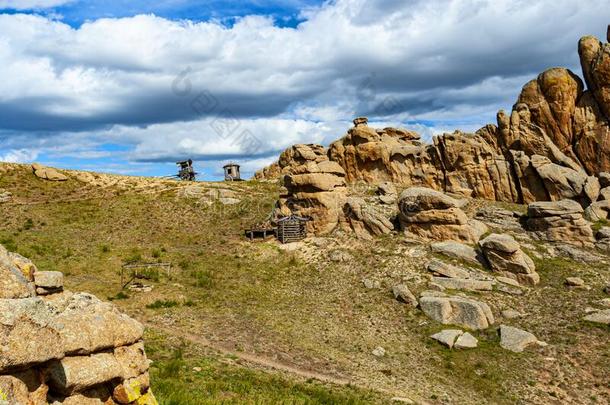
<point>504,255</point>
<point>559,221</point>
<point>315,187</point>
<point>62,348</point>
<point>29,333</point>
<point>464,312</point>
<point>48,173</point>
<point>432,215</point>
<point>89,325</point>
<point>365,220</point>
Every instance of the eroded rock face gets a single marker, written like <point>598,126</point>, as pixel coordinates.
<point>550,147</point>
<point>48,173</point>
<point>432,215</point>
<point>315,187</point>
<point>560,221</point>
<point>504,255</point>
<point>65,348</point>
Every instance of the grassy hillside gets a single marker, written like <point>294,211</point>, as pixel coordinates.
<point>236,310</point>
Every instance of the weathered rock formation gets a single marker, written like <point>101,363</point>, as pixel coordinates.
<point>61,347</point>
<point>551,147</point>
<point>504,255</point>
<point>451,310</point>
<point>48,173</point>
<point>433,215</point>
<point>559,221</point>
<point>315,187</point>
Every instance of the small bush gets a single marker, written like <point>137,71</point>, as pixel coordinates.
<point>120,296</point>
<point>203,278</point>
<point>29,224</point>
<point>104,248</point>
<point>156,253</point>
<point>158,304</point>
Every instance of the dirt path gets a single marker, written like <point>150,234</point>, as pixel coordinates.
<point>255,359</point>
<point>268,363</point>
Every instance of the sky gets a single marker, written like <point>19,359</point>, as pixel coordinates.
<point>132,86</point>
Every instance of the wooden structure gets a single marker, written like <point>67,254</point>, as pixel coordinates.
<point>135,271</point>
<point>291,229</point>
<point>260,231</point>
<point>186,171</point>
<point>232,172</point>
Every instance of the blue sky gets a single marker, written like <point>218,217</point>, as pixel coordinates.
<point>132,86</point>
<point>76,12</point>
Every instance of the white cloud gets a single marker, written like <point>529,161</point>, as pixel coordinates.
<point>19,156</point>
<point>435,60</point>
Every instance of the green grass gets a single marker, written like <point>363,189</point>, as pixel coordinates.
<point>223,381</point>
<point>158,304</point>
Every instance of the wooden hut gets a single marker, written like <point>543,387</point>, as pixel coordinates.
<point>291,229</point>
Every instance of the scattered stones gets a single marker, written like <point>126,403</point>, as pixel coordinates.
<point>514,339</point>
<point>511,314</point>
<point>464,312</point>
<point>47,173</point>
<point>605,302</point>
<point>455,338</point>
<point>560,221</point>
<point>574,282</point>
<point>504,255</point>
<point>371,284</point>
<point>601,317</point>
<point>5,196</point>
<point>432,215</point>
<point>379,351</point>
<point>139,287</point>
<point>447,336</point>
<point>446,270</point>
<point>339,256</point>
<point>402,293</point>
<point>466,341</point>
<point>458,251</point>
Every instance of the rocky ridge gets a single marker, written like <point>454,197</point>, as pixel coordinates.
<point>552,146</point>
<point>60,347</point>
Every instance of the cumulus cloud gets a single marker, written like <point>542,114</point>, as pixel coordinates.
<point>394,60</point>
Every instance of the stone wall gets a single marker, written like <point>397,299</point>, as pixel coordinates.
<point>60,347</point>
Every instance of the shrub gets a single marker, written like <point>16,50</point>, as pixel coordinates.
<point>162,304</point>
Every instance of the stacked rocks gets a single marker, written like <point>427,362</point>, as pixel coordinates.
<point>59,347</point>
<point>559,221</point>
<point>432,215</point>
<point>504,255</point>
<point>315,187</point>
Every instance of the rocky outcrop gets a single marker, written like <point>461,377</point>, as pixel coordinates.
<point>559,221</point>
<point>315,187</point>
<point>271,172</point>
<point>365,220</point>
<point>432,215</point>
<point>48,173</point>
<point>550,147</point>
<point>65,348</point>
<point>505,256</point>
